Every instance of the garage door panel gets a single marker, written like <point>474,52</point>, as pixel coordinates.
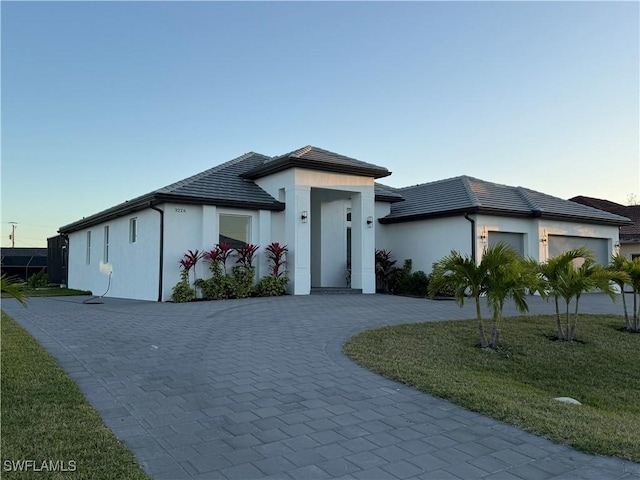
<point>515,240</point>
<point>561,243</point>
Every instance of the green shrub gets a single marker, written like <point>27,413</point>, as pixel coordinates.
<point>271,287</point>
<point>38,280</point>
<point>242,280</point>
<point>446,290</point>
<point>398,278</point>
<point>418,284</point>
<point>182,291</point>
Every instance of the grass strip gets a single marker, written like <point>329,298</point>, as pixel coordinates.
<point>517,384</point>
<point>50,292</point>
<point>45,418</point>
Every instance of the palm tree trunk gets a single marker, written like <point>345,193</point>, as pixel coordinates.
<point>481,333</point>
<point>574,325</point>
<point>558,320</point>
<point>636,312</point>
<point>495,334</point>
<point>567,324</point>
<point>627,320</point>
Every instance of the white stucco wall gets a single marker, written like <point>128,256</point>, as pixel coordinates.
<point>191,227</point>
<point>133,266</point>
<point>528,227</point>
<point>425,241</point>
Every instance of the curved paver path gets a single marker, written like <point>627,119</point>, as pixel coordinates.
<point>259,388</point>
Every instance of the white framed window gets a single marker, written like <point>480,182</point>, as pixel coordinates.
<point>105,256</point>
<point>88,253</point>
<point>234,230</point>
<point>133,230</point>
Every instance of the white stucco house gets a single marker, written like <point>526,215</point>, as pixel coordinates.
<point>329,210</point>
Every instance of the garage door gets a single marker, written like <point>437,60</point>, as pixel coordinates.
<point>516,240</point>
<point>561,243</point>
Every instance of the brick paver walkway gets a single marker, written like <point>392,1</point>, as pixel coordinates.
<point>259,388</point>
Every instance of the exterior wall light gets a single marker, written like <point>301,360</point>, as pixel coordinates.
<point>483,236</point>
<point>304,216</point>
<point>543,240</point>
<point>370,222</point>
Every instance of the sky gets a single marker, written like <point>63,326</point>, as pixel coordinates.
<point>106,101</point>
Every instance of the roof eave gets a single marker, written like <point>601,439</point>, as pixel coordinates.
<point>427,216</point>
<point>149,200</point>
<point>591,220</point>
<point>279,165</point>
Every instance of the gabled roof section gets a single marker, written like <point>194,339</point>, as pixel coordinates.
<point>222,185</point>
<point>628,233</point>
<point>315,158</point>
<point>460,195</point>
<point>384,193</point>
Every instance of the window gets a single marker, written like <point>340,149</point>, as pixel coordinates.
<point>88,247</point>
<point>106,244</point>
<point>133,230</point>
<point>635,255</point>
<point>234,230</point>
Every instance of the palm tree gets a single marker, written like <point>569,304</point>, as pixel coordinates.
<point>620,265</point>
<point>508,276</point>
<point>633,272</point>
<point>462,275</point>
<point>572,281</point>
<point>551,282</point>
<point>13,287</point>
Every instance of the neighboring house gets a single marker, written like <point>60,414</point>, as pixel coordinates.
<point>329,211</point>
<point>23,262</point>
<point>629,234</point>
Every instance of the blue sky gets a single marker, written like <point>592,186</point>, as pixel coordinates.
<point>102,102</point>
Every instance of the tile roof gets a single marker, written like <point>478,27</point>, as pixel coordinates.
<point>465,194</point>
<point>317,159</point>
<point>628,233</point>
<point>230,184</point>
<point>384,193</point>
<point>221,185</point>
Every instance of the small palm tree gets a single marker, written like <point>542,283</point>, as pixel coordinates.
<point>464,276</point>
<point>632,270</point>
<point>508,276</point>
<point>620,265</point>
<point>12,286</point>
<point>572,281</point>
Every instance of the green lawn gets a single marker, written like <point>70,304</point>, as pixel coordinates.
<point>45,418</point>
<point>50,292</point>
<point>517,385</point>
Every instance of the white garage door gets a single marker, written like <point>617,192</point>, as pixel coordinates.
<point>561,243</point>
<point>516,240</point>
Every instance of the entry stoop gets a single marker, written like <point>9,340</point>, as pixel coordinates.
<point>335,291</point>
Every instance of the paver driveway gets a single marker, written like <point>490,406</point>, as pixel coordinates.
<point>259,388</point>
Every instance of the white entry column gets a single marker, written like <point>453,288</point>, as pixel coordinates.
<point>363,241</point>
<point>298,234</point>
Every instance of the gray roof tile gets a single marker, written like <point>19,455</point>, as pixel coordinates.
<point>224,183</point>
<point>317,159</point>
<point>384,193</point>
<point>221,185</point>
<point>470,195</point>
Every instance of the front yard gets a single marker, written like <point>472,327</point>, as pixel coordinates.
<point>49,430</point>
<point>517,384</point>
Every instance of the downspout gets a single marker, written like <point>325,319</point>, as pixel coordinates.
<point>65,259</point>
<point>161,259</point>
<point>473,236</point>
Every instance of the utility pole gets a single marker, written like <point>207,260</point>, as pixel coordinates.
<point>12,237</point>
